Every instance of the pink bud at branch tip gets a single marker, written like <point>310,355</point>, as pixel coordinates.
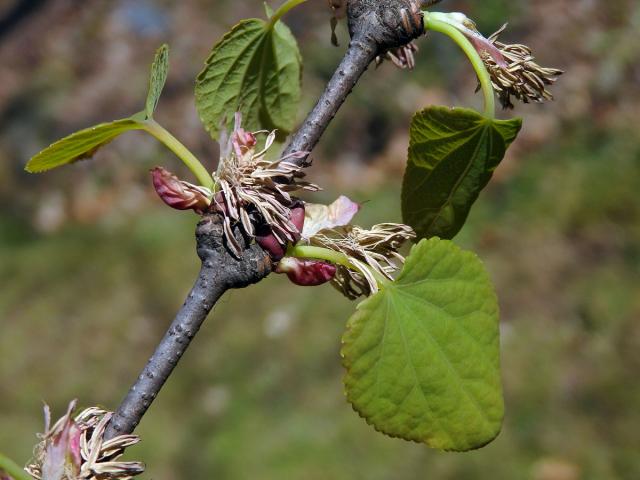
<point>178,194</point>
<point>306,273</point>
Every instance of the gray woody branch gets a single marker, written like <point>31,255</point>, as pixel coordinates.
<point>375,27</point>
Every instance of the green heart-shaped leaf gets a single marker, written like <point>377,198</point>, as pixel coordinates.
<point>422,354</point>
<point>452,156</point>
<point>80,145</point>
<point>255,69</point>
<point>157,79</point>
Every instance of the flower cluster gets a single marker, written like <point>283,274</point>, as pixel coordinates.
<point>250,191</point>
<point>512,68</point>
<point>515,73</point>
<point>365,256</point>
<point>253,186</point>
<point>75,449</point>
<point>371,252</point>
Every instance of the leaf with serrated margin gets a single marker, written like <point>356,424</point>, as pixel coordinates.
<point>255,69</point>
<point>80,145</point>
<point>157,79</point>
<point>422,355</point>
<point>452,156</point>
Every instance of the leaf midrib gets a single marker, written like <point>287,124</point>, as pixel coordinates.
<point>474,401</point>
<point>460,179</point>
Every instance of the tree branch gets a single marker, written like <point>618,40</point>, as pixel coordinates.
<point>219,272</point>
<point>375,26</point>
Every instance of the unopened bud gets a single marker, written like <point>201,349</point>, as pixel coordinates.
<point>178,194</point>
<point>270,243</point>
<point>245,140</point>
<point>306,273</point>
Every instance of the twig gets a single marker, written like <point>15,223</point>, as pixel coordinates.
<point>218,273</point>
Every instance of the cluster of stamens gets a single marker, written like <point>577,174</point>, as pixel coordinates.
<point>402,57</point>
<point>255,190</point>
<point>372,252</point>
<point>514,72</point>
<point>75,449</point>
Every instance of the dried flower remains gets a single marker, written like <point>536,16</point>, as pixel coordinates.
<point>255,189</point>
<point>513,70</point>
<point>371,252</point>
<point>374,249</point>
<point>402,57</point>
<point>75,449</point>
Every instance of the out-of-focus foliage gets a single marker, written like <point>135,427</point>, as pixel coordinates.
<point>92,267</point>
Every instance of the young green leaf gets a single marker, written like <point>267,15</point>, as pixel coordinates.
<point>452,156</point>
<point>255,69</point>
<point>157,79</point>
<point>10,470</point>
<point>422,355</point>
<point>80,145</point>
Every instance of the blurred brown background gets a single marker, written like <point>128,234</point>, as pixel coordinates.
<point>93,267</point>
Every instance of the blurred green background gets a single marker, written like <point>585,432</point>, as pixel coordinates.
<point>93,267</point>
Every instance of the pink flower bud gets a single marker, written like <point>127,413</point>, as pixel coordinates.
<point>269,242</point>
<point>297,218</point>
<point>178,194</point>
<point>306,273</point>
<point>245,140</point>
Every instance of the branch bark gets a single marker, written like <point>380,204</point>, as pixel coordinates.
<point>219,272</point>
<point>375,26</point>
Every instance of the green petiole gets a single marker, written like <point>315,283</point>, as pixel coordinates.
<point>283,9</point>
<point>159,132</point>
<point>437,22</point>
<point>337,258</point>
<point>12,469</point>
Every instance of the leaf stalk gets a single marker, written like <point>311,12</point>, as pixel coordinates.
<point>282,10</point>
<point>338,258</point>
<point>436,21</point>
<point>12,469</point>
<point>189,159</point>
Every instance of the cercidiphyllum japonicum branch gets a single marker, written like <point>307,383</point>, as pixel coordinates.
<point>219,272</point>
<point>375,26</point>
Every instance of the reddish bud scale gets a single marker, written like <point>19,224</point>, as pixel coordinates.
<point>269,242</point>
<point>306,273</point>
<point>63,451</point>
<point>178,194</point>
<point>244,139</point>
